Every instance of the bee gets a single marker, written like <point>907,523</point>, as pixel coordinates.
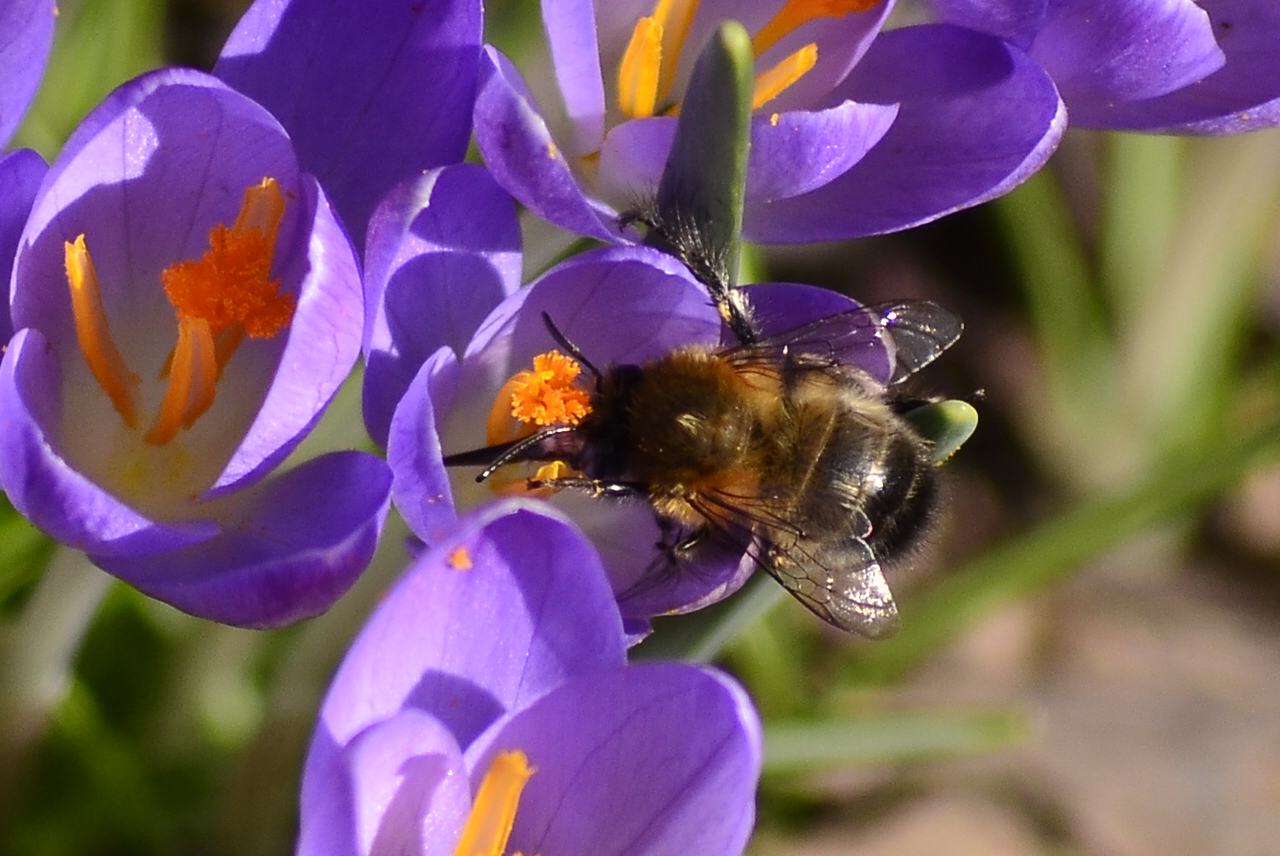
<point>782,446</point>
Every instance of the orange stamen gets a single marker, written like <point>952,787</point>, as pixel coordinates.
<point>546,395</point>
<point>798,12</point>
<point>769,84</point>
<point>493,813</point>
<point>638,73</point>
<point>676,17</point>
<point>219,298</point>
<point>94,334</point>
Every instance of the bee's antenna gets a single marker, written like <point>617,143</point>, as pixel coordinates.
<point>503,453</point>
<point>574,350</point>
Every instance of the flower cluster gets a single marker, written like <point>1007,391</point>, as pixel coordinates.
<point>196,274</point>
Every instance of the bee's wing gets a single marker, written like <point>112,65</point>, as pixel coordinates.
<point>840,582</point>
<point>890,341</point>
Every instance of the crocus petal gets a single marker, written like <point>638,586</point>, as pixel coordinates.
<point>1105,51</point>
<point>370,93</point>
<point>1243,95</point>
<point>26,35</point>
<point>443,251</point>
<point>523,157</point>
<point>1016,21</point>
<point>977,117</point>
<point>20,176</point>
<point>288,549</point>
<point>571,35</point>
<point>510,606</point>
<point>400,786</point>
<point>799,151</point>
<point>48,491</point>
<point>653,760</point>
<point>420,486</point>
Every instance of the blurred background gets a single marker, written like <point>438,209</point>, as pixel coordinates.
<point>1091,638</point>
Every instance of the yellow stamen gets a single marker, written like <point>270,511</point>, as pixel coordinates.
<point>493,813</point>
<point>638,73</point>
<point>769,84</point>
<point>798,12</point>
<point>546,395</point>
<point>193,371</point>
<point>676,17</point>
<point>94,335</point>
<point>220,298</point>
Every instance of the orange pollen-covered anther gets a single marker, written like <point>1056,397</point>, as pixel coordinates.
<point>546,395</point>
<point>94,335</point>
<point>493,813</point>
<point>220,297</point>
<point>797,12</point>
<point>769,84</point>
<point>648,68</point>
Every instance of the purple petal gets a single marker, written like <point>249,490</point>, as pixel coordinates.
<point>524,159</point>
<point>571,32</point>
<point>1100,52</point>
<point>1243,95</point>
<point>20,176</point>
<point>508,608</point>
<point>443,251</point>
<point>48,491</point>
<point>976,118</point>
<point>26,34</point>
<point>796,152</point>
<point>1015,21</point>
<point>652,760</point>
<point>420,482</point>
<point>370,92</point>
<point>289,547</point>
<point>400,786</point>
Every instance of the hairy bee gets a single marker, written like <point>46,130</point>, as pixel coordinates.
<point>782,445</point>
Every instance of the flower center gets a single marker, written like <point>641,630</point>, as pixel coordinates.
<point>647,71</point>
<point>493,813</point>
<point>218,298</point>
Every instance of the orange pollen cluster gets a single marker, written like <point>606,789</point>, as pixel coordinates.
<point>648,68</point>
<point>546,395</point>
<point>218,299</point>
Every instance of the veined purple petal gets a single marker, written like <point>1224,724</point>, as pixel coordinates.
<point>977,117</point>
<point>371,93</point>
<point>26,35</point>
<point>510,606</point>
<point>50,492</point>
<point>288,549</point>
<point>1241,96</point>
<point>1106,51</point>
<point>20,176</point>
<point>796,152</point>
<point>420,486</point>
<point>1015,21</point>
<point>652,760</point>
<point>443,251</point>
<point>571,34</point>
<point>525,160</point>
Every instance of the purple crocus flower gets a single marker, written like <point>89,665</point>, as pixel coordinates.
<point>856,131</point>
<point>371,93</point>
<point>26,35</point>
<point>619,305</point>
<point>186,303</point>
<point>20,176</point>
<point>487,708</point>
<point>1172,66</point>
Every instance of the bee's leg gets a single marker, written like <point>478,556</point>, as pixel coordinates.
<point>614,490</point>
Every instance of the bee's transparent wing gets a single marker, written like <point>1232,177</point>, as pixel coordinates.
<point>889,341</point>
<point>840,582</point>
